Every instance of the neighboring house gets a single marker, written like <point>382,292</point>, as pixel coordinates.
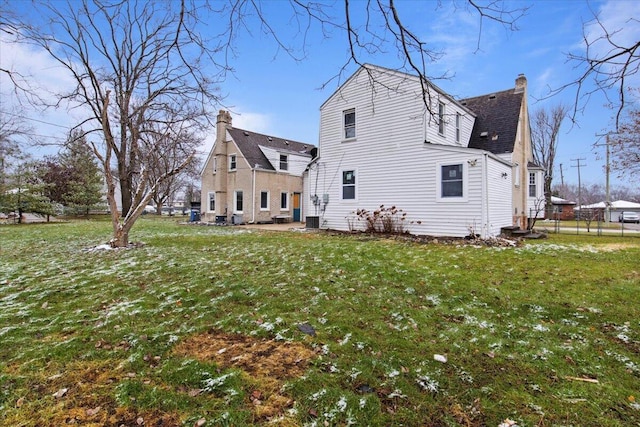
<point>562,209</point>
<point>456,168</point>
<point>251,177</point>
<point>615,209</point>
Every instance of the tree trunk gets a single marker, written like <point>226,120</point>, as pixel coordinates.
<point>125,192</point>
<point>120,237</point>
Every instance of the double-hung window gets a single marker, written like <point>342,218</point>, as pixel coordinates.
<point>284,201</point>
<point>349,119</point>
<point>284,162</point>
<point>458,120</point>
<point>233,162</point>
<point>451,181</point>
<point>264,200</point>
<point>440,118</point>
<point>533,191</point>
<point>348,185</point>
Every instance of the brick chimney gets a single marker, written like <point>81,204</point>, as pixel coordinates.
<point>223,122</point>
<point>521,84</point>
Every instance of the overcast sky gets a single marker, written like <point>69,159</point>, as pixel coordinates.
<point>272,93</point>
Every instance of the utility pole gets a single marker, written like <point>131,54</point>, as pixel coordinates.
<point>578,165</point>
<point>607,169</point>
<point>561,175</point>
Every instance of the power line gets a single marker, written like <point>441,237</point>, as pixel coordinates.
<point>578,165</point>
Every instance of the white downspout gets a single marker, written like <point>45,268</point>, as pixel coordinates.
<point>253,194</point>
<point>485,192</point>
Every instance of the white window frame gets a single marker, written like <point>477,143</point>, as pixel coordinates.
<point>458,124</point>
<point>233,162</point>
<point>215,164</point>
<point>284,196</point>
<point>352,127</point>
<point>209,199</point>
<point>235,202</point>
<point>465,180</point>
<point>441,114</point>
<point>285,163</point>
<point>354,185</point>
<point>268,201</point>
<point>533,183</point>
<point>516,175</point>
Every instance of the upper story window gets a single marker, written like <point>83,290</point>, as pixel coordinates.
<point>284,162</point>
<point>233,162</point>
<point>348,185</point>
<point>533,191</point>
<point>516,175</point>
<point>215,164</point>
<point>451,181</point>
<point>440,118</point>
<point>349,118</point>
<point>458,121</point>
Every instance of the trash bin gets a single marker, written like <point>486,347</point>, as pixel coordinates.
<point>195,216</point>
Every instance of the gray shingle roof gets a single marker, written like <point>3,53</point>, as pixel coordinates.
<point>496,122</point>
<point>249,144</point>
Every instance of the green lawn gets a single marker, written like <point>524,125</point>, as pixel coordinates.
<point>202,326</point>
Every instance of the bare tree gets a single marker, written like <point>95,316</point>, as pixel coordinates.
<point>607,65</point>
<point>163,153</point>
<point>12,131</point>
<point>545,128</point>
<point>135,63</point>
<point>625,145</point>
<point>369,28</point>
<point>137,68</point>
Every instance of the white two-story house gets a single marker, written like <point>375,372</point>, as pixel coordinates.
<point>454,167</point>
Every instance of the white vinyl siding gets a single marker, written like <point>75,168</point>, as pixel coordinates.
<point>296,162</point>
<point>391,135</point>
